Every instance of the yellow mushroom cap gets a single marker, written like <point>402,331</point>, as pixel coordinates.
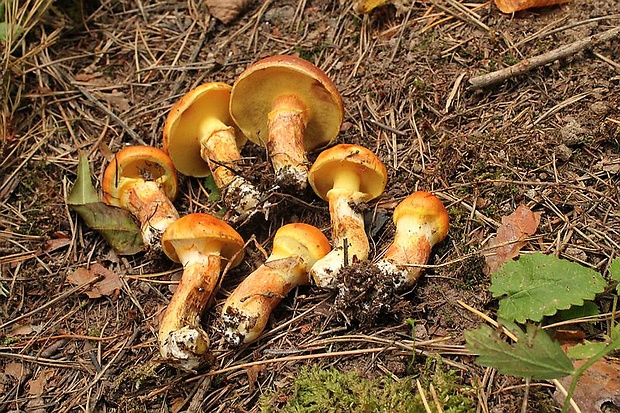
<point>202,233</point>
<point>187,122</point>
<point>133,163</point>
<point>261,84</point>
<point>299,239</point>
<point>350,158</point>
<point>427,208</point>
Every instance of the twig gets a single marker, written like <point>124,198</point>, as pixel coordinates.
<point>526,65</point>
<point>53,301</point>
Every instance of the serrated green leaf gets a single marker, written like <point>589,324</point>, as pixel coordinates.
<point>212,190</point>
<point>535,355</point>
<point>589,308</point>
<point>539,285</point>
<point>614,272</point>
<point>83,191</point>
<point>585,350</point>
<point>117,226</point>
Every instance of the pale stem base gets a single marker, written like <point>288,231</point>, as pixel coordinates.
<point>246,312</point>
<point>182,341</point>
<point>349,241</point>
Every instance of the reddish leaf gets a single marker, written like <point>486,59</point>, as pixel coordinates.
<point>510,235</point>
<point>108,285</point>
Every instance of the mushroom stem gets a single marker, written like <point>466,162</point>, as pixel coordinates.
<point>296,247</point>
<point>421,222</point>
<point>247,309</point>
<point>411,246</point>
<point>153,209</point>
<point>348,234</point>
<point>181,338</point>
<point>286,124</point>
<point>219,149</point>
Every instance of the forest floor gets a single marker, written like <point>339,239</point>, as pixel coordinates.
<point>91,77</point>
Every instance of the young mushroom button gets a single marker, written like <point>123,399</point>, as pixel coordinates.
<point>200,138</point>
<point>200,242</point>
<point>296,247</point>
<point>421,221</point>
<point>142,179</point>
<point>345,175</point>
<point>289,106</point>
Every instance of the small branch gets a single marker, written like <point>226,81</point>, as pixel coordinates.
<point>526,65</point>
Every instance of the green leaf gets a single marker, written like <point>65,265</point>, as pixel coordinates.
<point>117,226</point>
<point>539,285</point>
<point>3,29</point>
<point>589,308</point>
<point>614,272</point>
<point>535,355</point>
<point>212,190</point>
<point>585,350</point>
<point>83,191</point>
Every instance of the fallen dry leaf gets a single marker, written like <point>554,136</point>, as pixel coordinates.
<point>599,385</point>
<point>24,330</point>
<point>510,235</point>
<point>253,372</point>
<point>510,6</point>
<point>15,370</point>
<point>37,385</point>
<point>108,285</point>
<point>226,10</point>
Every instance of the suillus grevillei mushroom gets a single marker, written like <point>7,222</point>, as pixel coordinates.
<point>201,139</point>
<point>346,176</point>
<point>143,180</point>
<point>296,247</point>
<point>289,106</point>
<point>204,245</point>
<point>421,222</point>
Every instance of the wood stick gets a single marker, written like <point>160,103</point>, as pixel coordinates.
<point>526,65</point>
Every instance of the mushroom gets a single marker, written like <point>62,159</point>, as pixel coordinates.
<point>142,179</point>
<point>201,139</point>
<point>200,242</point>
<point>289,106</point>
<point>345,176</point>
<point>421,221</point>
<point>296,247</point>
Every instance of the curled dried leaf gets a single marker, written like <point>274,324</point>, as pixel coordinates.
<point>510,6</point>
<point>226,10</point>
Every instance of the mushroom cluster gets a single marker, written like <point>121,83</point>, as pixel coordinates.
<point>290,107</point>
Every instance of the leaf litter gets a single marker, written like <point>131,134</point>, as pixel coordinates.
<point>396,69</point>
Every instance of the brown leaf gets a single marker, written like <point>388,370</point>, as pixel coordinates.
<point>253,373</point>
<point>109,284</point>
<point>510,6</point>
<point>55,244</point>
<point>15,370</point>
<point>226,10</point>
<point>600,384</point>
<point>37,385</point>
<point>510,235</point>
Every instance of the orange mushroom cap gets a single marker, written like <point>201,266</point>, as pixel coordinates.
<point>348,158</point>
<point>202,232</point>
<point>426,209</point>
<point>199,111</point>
<point>261,84</point>
<point>134,163</point>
